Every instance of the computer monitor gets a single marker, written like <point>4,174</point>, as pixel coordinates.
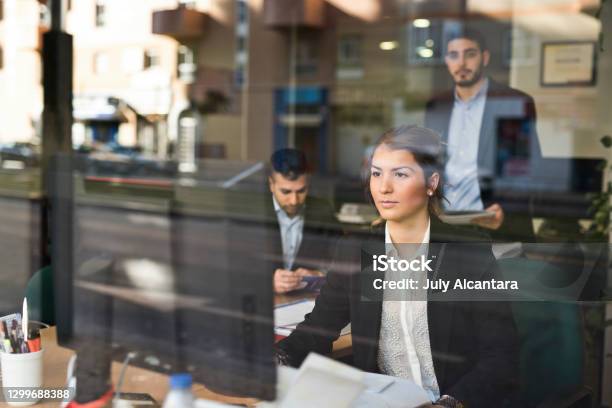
<point>182,277</point>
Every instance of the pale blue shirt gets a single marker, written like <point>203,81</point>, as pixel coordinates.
<point>463,190</point>
<point>291,233</point>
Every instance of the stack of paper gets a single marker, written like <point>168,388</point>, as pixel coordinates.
<point>324,383</point>
<point>392,392</point>
<point>464,217</point>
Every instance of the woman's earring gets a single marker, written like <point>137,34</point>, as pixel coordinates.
<point>429,193</point>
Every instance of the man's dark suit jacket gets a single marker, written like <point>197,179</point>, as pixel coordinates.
<point>474,343</point>
<point>502,102</point>
<point>319,236</point>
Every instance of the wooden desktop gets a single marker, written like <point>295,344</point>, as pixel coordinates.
<point>140,380</point>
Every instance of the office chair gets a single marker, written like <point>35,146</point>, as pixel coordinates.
<point>551,335</point>
<point>39,292</point>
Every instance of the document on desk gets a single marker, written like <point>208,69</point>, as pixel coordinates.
<point>289,315</point>
<point>391,392</point>
<point>324,383</point>
<point>320,379</point>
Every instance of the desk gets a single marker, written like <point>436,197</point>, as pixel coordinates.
<point>142,380</point>
<point>136,379</point>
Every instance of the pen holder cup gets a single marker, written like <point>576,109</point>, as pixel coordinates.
<point>22,377</point>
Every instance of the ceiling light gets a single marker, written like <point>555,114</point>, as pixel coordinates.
<point>421,23</point>
<point>425,52</point>
<point>388,45</point>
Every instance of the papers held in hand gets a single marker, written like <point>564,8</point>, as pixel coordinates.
<point>287,316</point>
<point>464,217</point>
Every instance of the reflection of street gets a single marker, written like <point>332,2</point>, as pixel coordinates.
<point>164,301</point>
<point>19,246</point>
<point>216,307</point>
<point>120,233</point>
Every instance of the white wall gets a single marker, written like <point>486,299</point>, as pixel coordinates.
<point>569,118</point>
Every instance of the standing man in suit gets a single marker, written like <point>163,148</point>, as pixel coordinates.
<point>469,119</point>
<point>304,239</point>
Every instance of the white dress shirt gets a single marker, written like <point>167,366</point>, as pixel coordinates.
<point>291,230</point>
<point>404,349</point>
<point>462,189</point>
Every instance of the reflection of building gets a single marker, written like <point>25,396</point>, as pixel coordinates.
<point>205,116</point>
<point>115,57</point>
<point>268,87</point>
<point>20,70</point>
<point>240,78</point>
<point>325,74</point>
<point>322,76</point>
<point>120,66</point>
<point>107,120</point>
<point>372,65</point>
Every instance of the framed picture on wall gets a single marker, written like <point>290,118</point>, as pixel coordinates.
<point>568,63</point>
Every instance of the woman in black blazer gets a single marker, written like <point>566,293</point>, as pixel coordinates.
<point>464,353</point>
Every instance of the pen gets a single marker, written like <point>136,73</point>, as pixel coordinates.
<point>24,319</point>
<point>7,346</point>
<point>23,346</point>
<point>5,343</point>
<point>34,340</point>
<point>16,339</point>
<point>11,346</point>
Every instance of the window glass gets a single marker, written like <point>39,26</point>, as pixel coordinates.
<point>188,165</point>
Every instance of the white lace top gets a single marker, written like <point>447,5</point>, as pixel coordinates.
<point>404,349</point>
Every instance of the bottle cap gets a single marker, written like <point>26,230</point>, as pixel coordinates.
<point>182,380</point>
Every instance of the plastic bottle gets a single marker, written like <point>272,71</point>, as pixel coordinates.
<point>180,395</point>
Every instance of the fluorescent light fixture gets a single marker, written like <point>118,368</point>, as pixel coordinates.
<point>388,45</point>
<point>424,52</point>
<point>421,23</point>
